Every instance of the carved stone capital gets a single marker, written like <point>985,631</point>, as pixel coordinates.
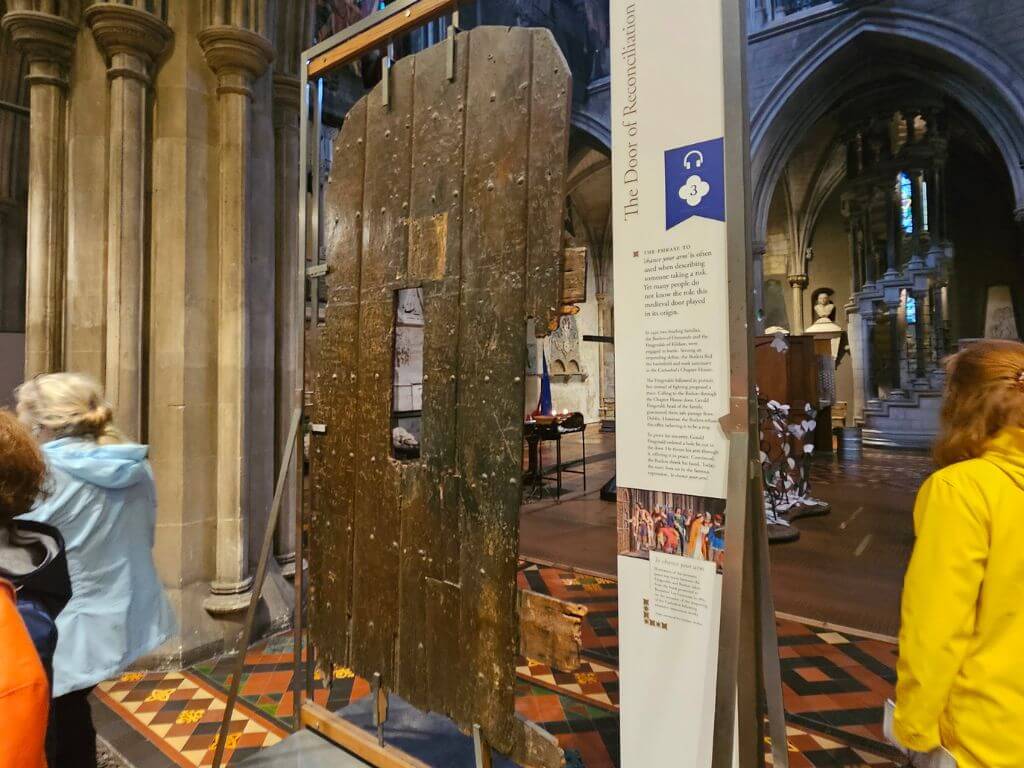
<point>798,281</point>
<point>758,248</point>
<point>41,36</point>
<point>1018,214</point>
<point>123,29</point>
<point>237,56</point>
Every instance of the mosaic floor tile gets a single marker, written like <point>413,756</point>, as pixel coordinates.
<point>181,715</point>
<point>834,688</point>
<point>592,682</point>
<point>267,681</point>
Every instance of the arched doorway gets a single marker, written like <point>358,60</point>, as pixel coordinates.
<point>886,173</point>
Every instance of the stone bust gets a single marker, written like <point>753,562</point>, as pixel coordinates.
<point>824,324</point>
<point>824,309</point>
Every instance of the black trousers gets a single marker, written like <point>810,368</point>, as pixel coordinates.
<point>75,736</point>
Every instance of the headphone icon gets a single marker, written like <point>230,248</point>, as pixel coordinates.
<point>698,159</point>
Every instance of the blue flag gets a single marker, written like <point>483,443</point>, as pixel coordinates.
<point>544,407</point>
<point>695,182</point>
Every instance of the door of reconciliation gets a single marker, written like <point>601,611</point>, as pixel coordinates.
<point>455,186</point>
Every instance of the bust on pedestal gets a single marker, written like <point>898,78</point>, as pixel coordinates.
<point>824,326</point>
<point>824,313</point>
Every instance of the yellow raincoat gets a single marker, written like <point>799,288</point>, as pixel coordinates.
<point>961,667</point>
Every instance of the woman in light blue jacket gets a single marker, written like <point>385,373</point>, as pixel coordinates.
<point>100,495</point>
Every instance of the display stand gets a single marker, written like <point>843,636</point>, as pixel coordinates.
<point>748,654</point>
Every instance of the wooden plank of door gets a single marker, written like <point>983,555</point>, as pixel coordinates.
<point>443,650</point>
<point>429,515</point>
<point>377,532</point>
<point>550,630</point>
<point>551,105</point>
<point>335,386</point>
<point>492,361</point>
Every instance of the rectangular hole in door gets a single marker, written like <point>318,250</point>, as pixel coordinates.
<point>407,393</point>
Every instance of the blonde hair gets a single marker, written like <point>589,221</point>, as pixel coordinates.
<point>67,405</point>
<point>984,394</point>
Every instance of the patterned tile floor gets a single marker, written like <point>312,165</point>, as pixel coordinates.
<point>834,687</point>
<point>180,715</point>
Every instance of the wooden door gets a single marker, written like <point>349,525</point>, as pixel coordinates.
<point>456,186</point>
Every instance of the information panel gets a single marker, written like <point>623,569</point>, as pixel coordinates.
<point>672,371</point>
<point>671,290</point>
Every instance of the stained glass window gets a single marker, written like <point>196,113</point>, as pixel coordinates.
<point>906,203</point>
<point>911,310</point>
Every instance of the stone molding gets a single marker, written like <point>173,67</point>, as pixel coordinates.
<point>123,29</point>
<point>287,93</point>
<point>228,598</point>
<point>42,37</point>
<point>798,281</point>
<point>237,56</point>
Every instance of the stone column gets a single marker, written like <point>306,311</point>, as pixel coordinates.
<point>758,248</point>
<point>131,40</point>
<point>920,334</point>
<point>606,354</point>
<point>856,337</point>
<point>47,42</point>
<point>896,334</point>
<point>798,284</point>
<point>237,56</point>
<point>938,326</point>
<point>286,175</point>
<point>869,376</point>
<point>893,234</point>
<point>917,212</point>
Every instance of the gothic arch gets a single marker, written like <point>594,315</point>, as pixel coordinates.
<point>829,175</point>
<point>945,56</point>
<point>594,126</point>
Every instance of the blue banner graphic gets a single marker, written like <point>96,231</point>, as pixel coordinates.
<point>695,182</point>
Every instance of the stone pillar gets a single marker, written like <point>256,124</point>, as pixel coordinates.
<point>869,376</point>
<point>131,40</point>
<point>286,175</point>
<point>607,355</point>
<point>856,337</point>
<point>758,248</point>
<point>892,233</point>
<point>47,42</point>
<point>237,56</point>
<point>917,211</point>
<point>852,241</point>
<point>940,342</point>
<point>920,334</point>
<point>896,335</point>
<point>798,284</point>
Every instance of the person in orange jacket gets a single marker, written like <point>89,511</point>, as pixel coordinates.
<point>24,688</point>
<point>24,691</point>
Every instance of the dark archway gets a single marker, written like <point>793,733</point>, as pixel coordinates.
<point>873,44</point>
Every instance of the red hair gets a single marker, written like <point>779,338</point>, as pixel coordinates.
<point>984,394</point>
<point>22,469</point>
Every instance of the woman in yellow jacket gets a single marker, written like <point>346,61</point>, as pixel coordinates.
<point>961,666</point>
